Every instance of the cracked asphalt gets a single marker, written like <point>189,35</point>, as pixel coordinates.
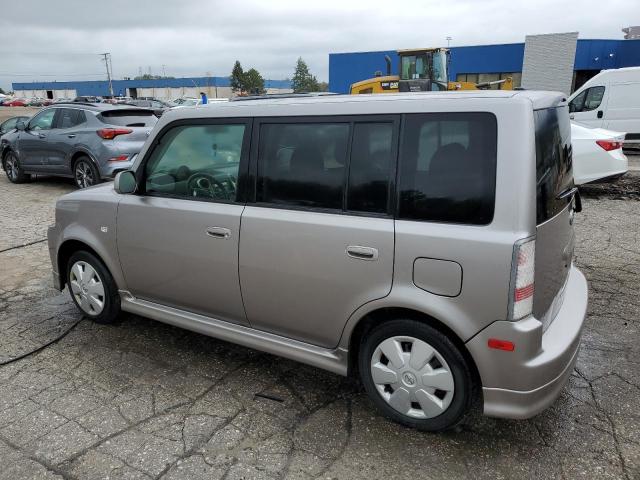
<point>145,400</point>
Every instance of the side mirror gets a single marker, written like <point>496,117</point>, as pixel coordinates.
<point>125,182</point>
<point>21,126</point>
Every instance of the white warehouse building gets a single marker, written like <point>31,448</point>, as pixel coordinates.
<point>162,88</point>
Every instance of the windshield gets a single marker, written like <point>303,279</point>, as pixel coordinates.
<point>428,65</point>
<point>415,67</point>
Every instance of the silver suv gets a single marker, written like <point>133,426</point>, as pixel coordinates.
<point>89,142</point>
<point>394,237</point>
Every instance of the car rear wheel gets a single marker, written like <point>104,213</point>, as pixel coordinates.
<point>85,173</point>
<point>92,288</point>
<point>415,375</point>
<point>15,174</point>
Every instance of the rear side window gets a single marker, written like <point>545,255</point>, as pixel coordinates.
<point>448,168</point>
<point>70,117</point>
<point>554,169</point>
<point>129,118</point>
<point>302,164</point>
<point>370,167</point>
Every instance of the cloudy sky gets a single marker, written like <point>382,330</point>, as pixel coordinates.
<point>61,40</point>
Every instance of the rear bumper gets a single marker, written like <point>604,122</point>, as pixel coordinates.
<point>522,383</point>
<point>108,170</point>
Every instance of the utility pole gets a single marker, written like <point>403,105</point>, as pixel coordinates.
<point>164,74</point>
<point>449,41</point>
<point>107,64</point>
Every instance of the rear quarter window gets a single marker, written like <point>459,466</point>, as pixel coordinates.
<point>128,118</point>
<point>554,164</point>
<point>448,167</point>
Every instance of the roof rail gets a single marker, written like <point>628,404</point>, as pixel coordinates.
<point>283,95</point>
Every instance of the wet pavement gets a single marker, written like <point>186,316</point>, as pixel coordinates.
<point>145,400</point>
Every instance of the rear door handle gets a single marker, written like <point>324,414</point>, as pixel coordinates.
<point>71,135</point>
<point>218,232</point>
<point>600,113</point>
<point>42,135</point>
<point>572,116</point>
<point>362,253</point>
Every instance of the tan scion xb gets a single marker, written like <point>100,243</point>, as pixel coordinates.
<point>421,241</point>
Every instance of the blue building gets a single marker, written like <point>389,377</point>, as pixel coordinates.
<point>480,63</point>
<point>167,88</point>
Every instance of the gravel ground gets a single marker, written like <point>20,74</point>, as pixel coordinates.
<point>145,400</point>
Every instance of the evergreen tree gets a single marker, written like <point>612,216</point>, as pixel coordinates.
<point>253,83</point>
<point>302,80</point>
<point>237,78</point>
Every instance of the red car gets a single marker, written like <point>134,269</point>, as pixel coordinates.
<point>16,102</point>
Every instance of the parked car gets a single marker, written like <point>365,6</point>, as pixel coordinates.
<point>88,99</point>
<point>10,124</point>
<point>7,126</point>
<point>610,100</point>
<point>597,154</point>
<point>149,103</point>
<point>63,100</point>
<point>89,142</point>
<point>35,102</point>
<point>185,102</point>
<point>16,102</point>
<point>241,222</point>
<point>47,101</point>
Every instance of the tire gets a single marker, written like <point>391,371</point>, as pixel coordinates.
<point>92,288</point>
<point>85,173</point>
<point>433,397</point>
<point>12,168</point>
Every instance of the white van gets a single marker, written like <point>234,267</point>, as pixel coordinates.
<point>610,100</point>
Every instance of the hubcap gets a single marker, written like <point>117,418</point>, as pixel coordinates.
<point>84,175</point>
<point>87,288</point>
<point>412,377</point>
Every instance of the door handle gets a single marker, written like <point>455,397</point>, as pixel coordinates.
<point>42,135</point>
<point>71,135</point>
<point>218,232</point>
<point>362,253</point>
<point>600,113</point>
<point>572,116</point>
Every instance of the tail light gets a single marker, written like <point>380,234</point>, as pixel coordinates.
<point>111,133</point>
<point>522,279</point>
<point>609,145</point>
<point>119,158</point>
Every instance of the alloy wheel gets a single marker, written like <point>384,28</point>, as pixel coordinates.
<point>11,167</point>
<point>412,377</point>
<point>87,288</point>
<point>84,175</point>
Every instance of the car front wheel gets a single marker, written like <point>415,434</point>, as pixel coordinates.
<point>12,168</point>
<point>415,375</point>
<point>92,288</point>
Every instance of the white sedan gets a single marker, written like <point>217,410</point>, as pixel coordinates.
<point>597,154</point>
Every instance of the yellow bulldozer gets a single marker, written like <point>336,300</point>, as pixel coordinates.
<point>421,70</point>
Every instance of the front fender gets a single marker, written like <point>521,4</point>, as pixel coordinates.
<point>89,216</point>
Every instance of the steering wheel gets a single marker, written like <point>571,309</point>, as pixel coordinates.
<point>206,185</point>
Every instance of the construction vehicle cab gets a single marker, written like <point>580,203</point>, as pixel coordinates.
<point>423,70</point>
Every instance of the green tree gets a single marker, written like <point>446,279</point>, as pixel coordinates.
<point>302,80</point>
<point>253,83</point>
<point>1,91</point>
<point>237,78</point>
